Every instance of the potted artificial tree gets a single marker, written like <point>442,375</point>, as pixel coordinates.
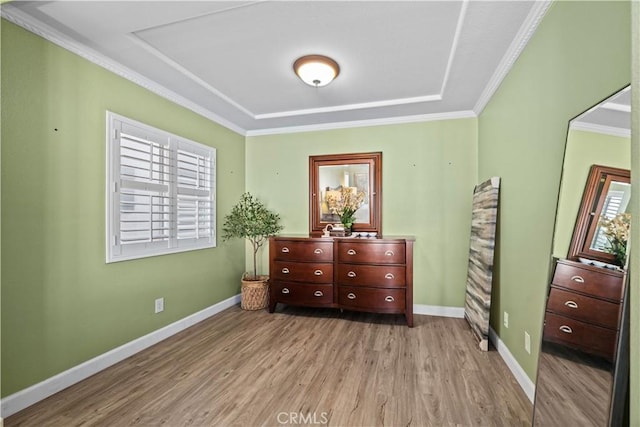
<point>250,219</point>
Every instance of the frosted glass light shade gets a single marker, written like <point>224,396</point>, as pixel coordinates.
<point>316,70</point>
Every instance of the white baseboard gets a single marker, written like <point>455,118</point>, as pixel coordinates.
<point>521,376</point>
<point>437,310</point>
<point>37,392</point>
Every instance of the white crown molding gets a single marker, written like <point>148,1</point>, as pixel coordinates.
<point>521,376</point>
<point>40,391</point>
<point>617,107</point>
<point>363,123</point>
<point>454,44</point>
<point>606,130</point>
<point>518,44</point>
<point>350,107</point>
<point>14,15</point>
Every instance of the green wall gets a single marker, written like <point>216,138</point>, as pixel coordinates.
<point>61,304</point>
<point>583,150</point>
<point>578,56</point>
<point>429,171</point>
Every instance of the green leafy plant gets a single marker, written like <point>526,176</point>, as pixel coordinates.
<point>250,219</point>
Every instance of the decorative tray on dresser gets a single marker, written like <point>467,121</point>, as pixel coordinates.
<point>359,273</point>
<point>584,308</point>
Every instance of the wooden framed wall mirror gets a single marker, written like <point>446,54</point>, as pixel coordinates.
<point>607,194</point>
<point>330,173</point>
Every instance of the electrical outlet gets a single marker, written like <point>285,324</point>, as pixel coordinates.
<point>527,342</point>
<point>506,319</point>
<point>159,305</point>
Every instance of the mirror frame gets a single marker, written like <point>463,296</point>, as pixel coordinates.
<point>374,160</point>
<point>592,201</point>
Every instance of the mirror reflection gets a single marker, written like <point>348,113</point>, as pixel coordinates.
<point>584,349</point>
<point>333,179</point>
<point>602,226</point>
<point>616,203</point>
<point>580,398</point>
<point>346,190</point>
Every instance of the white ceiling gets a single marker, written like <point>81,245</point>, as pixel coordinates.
<point>231,61</point>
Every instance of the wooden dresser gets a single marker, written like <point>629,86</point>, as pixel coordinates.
<point>362,274</point>
<point>584,308</point>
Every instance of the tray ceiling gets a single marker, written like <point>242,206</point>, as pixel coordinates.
<point>232,61</point>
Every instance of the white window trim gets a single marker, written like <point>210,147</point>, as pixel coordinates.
<point>115,250</point>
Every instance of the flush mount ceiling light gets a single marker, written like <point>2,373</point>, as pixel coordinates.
<point>316,70</point>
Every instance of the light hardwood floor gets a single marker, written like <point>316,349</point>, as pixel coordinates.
<point>298,367</point>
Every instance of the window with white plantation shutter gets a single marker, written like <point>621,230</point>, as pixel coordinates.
<point>161,192</point>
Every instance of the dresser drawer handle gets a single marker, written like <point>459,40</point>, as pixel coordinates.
<point>389,299</point>
<point>389,276</point>
<point>318,293</point>
<point>285,290</point>
<point>285,270</point>
<point>351,252</point>
<point>389,253</point>
<point>351,295</point>
<point>317,251</point>
<point>351,274</point>
<point>566,329</point>
<point>571,304</point>
<point>318,272</point>
<point>285,250</point>
<point>578,279</point>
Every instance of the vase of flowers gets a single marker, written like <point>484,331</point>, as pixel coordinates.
<point>344,203</point>
<point>616,231</point>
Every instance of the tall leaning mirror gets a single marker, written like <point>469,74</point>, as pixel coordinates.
<point>583,352</point>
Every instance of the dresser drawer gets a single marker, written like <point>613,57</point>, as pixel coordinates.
<point>574,333</point>
<point>383,276</point>
<point>308,272</point>
<point>371,253</point>
<point>601,284</point>
<point>312,250</point>
<point>299,294</point>
<point>372,299</point>
<point>587,309</point>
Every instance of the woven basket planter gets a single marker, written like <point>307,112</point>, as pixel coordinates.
<point>255,293</point>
